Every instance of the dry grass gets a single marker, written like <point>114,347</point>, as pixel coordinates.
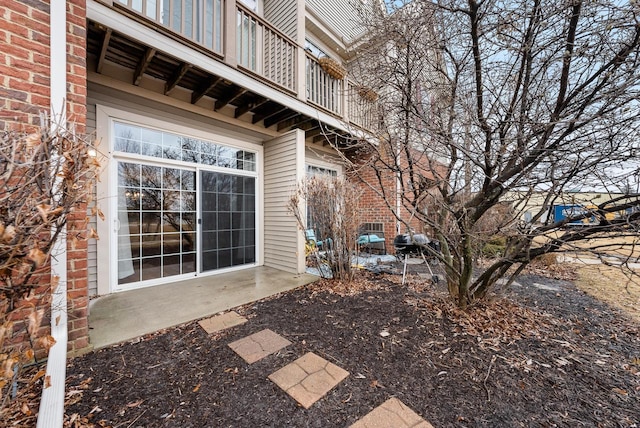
<point>619,246</point>
<point>613,286</point>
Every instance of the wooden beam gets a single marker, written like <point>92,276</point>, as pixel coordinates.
<point>250,106</point>
<point>306,126</point>
<point>326,139</point>
<point>295,122</point>
<point>258,117</point>
<point>103,49</point>
<point>178,74</point>
<point>313,132</point>
<point>283,116</point>
<point>204,88</point>
<point>231,97</point>
<point>143,65</point>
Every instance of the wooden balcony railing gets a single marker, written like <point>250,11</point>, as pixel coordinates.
<point>200,21</point>
<point>322,89</point>
<point>363,107</point>
<point>260,48</point>
<point>264,50</point>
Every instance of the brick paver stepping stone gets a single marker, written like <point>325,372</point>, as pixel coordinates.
<point>392,414</point>
<point>308,378</point>
<point>259,345</point>
<point>222,321</point>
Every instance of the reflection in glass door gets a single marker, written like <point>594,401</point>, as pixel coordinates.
<point>228,220</point>
<point>156,216</point>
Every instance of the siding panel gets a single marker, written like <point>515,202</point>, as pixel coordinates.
<point>283,15</point>
<point>92,245</point>
<point>341,16</point>
<point>283,169</point>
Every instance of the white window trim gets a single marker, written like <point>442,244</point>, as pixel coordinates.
<point>319,163</point>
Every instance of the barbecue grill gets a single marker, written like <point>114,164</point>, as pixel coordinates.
<point>417,243</point>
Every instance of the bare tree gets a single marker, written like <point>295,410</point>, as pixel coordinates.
<point>488,106</point>
<point>45,178</point>
<point>330,206</point>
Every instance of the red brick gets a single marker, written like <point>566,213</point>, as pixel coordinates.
<point>78,334</point>
<point>39,15</point>
<point>41,59</point>
<point>13,94</point>
<point>76,294</point>
<point>78,344</point>
<point>80,323</point>
<point>14,28</point>
<point>37,69</point>
<point>15,51</point>
<point>29,87</point>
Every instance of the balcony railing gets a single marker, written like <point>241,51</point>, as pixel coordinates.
<point>264,50</point>
<point>260,48</point>
<point>322,89</point>
<point>363,107</point>
<point>200,21</point>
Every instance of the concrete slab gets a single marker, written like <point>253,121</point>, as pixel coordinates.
<point>308,378</point>
<point>392,414</point>
<point>222,322</point>
<point>259,345</point>
<point>126,315</point>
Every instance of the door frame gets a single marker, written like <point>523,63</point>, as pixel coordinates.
<point>106,189</point>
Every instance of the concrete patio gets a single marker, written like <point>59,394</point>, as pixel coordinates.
<point>126,315</point>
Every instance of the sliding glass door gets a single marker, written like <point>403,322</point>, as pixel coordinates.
<point>184,206</point>
<point>228,220</point>
<point>157,222</point>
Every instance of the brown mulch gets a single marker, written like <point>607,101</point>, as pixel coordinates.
<point>532,356</point>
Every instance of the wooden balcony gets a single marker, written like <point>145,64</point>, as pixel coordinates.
<point>250,44</point>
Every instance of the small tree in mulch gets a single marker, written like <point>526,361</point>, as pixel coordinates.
<point>517,102</point>
<point>330,207</point>
<point>45,178</point>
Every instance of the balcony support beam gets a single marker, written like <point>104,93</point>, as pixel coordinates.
<point>176,77</point>
<point>249,107</point>
<point>103,49</point>
<point>143,65</point>
<point>283,116</point>
<point>258,117</point>
<point>295,122</point>
<point>202,90</point>
<point>230,98</point>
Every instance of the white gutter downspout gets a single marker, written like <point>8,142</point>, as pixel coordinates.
<point>51,411</point>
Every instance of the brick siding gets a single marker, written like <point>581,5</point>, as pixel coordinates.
<point>25,94</point>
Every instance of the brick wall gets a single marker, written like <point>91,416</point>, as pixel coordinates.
<point>376,179</point>
<point>374,209</point>
<point>24,63</point>
<point>77,254</point>
<point>25,94</point>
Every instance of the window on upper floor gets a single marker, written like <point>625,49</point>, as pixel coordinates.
<point>314,171</point>
<point>313,49</point>
<point>254,5</point>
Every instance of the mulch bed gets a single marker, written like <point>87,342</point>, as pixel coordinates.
<point>540,354</point>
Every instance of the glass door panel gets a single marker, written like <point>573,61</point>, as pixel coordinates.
<point>228,220</point>
<point>156,214</point>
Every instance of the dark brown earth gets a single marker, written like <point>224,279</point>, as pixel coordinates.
<point>543,354</point>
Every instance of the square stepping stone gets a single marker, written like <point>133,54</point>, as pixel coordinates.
<point>259,345</point>
<point>308,378</point>
<point>392,414</point>
<point>222,321</point>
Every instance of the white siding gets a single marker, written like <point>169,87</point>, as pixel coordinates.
<point>283,169</point>
<point>340,15</point>
<point>92,257</point>
<point>283,15</point>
